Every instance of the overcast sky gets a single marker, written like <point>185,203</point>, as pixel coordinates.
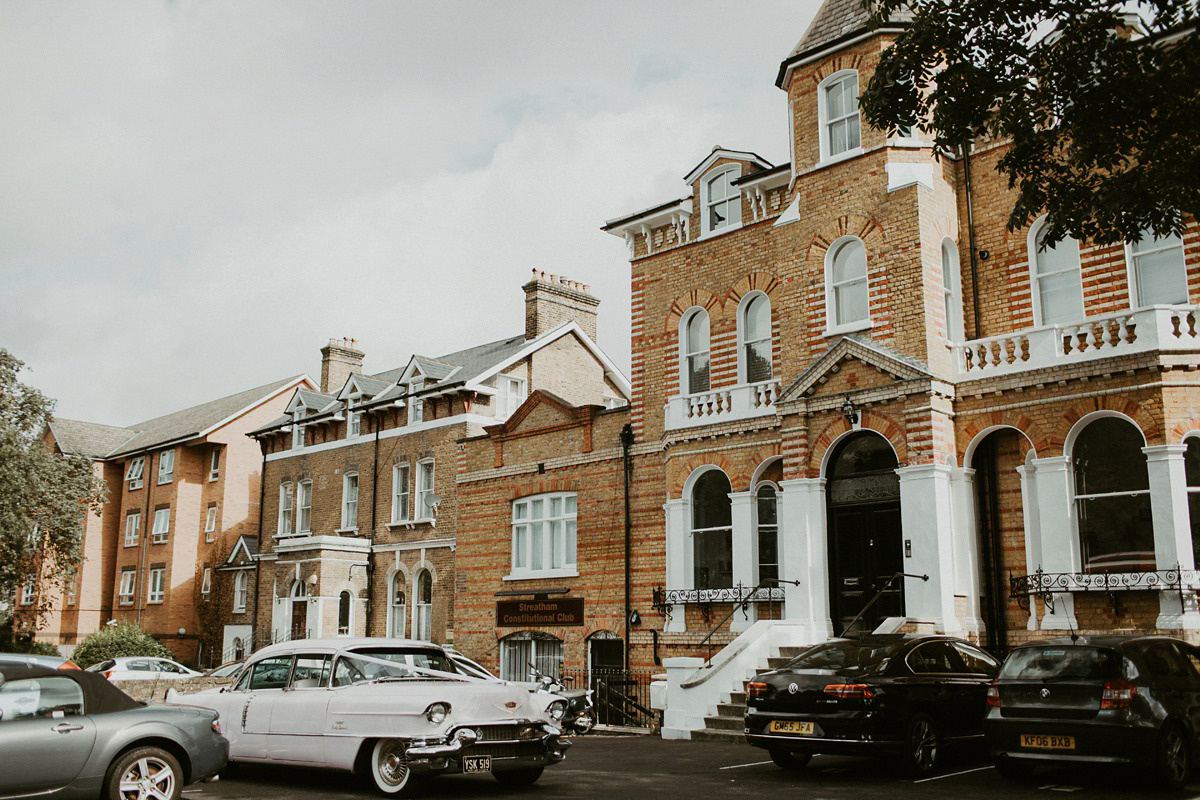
<point>196,196</point>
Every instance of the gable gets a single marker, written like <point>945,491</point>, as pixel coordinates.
<point>851,365</point>
<point>540,410</point>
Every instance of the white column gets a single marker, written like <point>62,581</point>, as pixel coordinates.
<point>1033,535</point>
<point>925,519</point>
<point>1172,532</point>
<point>966,544</point>
<point>745,555</point>
<point>804,555</point>
<point>679,559</point>
<point>1057,538</point>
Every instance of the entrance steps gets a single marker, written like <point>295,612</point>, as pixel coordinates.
<point>727,724</point>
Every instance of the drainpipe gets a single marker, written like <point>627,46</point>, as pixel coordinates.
<point>626,443</point>
<point>262,496</point>
<point>966,158</point>
<point>377,421</point>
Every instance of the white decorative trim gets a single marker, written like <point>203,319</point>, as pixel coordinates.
<point>792,214</point>
<point>901,176</point>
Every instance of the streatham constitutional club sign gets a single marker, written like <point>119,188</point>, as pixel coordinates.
<point>520,613</point>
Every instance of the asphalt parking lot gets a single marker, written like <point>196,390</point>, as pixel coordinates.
<point>643,767</point>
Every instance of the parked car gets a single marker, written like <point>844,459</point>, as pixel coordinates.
<point>32,660</point>
<point>900,695</point>
<point>229,669</point>
<point>72,734</point>
<point>1122,700</point>
<point>140,669</point>
<point>395,709</point>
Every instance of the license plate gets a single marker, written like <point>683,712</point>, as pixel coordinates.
<point>1041,741</point>
<point>477,763</point>
<point>791,726</point>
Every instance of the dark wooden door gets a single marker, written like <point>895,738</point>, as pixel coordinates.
<point>299,619</point>
<point>865,551</point>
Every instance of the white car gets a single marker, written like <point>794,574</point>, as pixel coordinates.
<point>142,669</point>
<point>396,709</point>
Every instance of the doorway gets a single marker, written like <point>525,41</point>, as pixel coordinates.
<point>866,546</point>
<point>299,611</point>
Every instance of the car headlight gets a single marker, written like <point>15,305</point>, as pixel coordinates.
<point>216,724</point>
<point>557,709</point>
<point>437,713</point>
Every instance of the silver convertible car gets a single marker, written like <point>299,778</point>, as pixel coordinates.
<point>394,709</point>
<point>72,734</point>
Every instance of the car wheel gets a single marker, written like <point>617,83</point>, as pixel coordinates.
<point>519,777</point>
<point>921,745</point>
<point>147,773</point>
<point>583,723</point>
<point>786,759</point>
<point>1172,758</point>
<point>1014,769</point>
<point>389,768</point>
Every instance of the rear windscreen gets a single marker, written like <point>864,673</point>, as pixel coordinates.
<point>844,656</point>
<point>1041,663</point>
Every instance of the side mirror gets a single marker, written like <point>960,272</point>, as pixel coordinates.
<point>568,679</point>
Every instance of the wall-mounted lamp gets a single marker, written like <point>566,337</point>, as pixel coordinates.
<point>635,618</point>
<point>984,255</point>
<point>312,579</point>
<point>849,411</point>
<point>182,631</point>
<point>433,502</point>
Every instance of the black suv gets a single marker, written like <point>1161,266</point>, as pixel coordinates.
<point>1109,699</point>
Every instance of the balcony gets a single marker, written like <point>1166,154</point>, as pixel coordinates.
<point>744,401</point>
<point>1158,328</point>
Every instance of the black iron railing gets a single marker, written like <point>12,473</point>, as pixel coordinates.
<point>1047,584</point>
<point>621,697</point>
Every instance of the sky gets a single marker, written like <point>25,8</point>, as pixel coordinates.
<point>197,195</point>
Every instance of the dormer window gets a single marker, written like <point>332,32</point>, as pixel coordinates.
<point>722,201</point>
<point>416,406</point>
<point>838,115</point>
<point>510,393</point>
<point>298,428</point>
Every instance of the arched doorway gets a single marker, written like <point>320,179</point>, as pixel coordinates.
<point>299,610</point>
<point>865,539</point>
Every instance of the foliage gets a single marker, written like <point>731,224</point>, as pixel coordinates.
<point>44,496</point>
<point>118,641</point>
<point>14,642</point>
<point>1103,121</point>
<point>213,609</point>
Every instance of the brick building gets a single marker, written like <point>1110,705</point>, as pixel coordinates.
<point>183,489</point>
<point>360,491</point>
<point>847,369</point>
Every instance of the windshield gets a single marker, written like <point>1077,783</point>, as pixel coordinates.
<point>374,663</point>
<point>1062,661</point>
<point>845,657</point>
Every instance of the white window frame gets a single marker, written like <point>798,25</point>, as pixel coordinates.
<point>422,611</point>
<point>827,122</point>
<point>398,612</point>
<point>156,591</point>
<point>416,405</point>
<point>29,590</point>
<point>1155,246</point>
<point>952,290</point>
<point>241,588</point>
<point>519,650</point>
<point>304,507</point>
<point>162,526</point>
<point>166,466</point>
<point>556,548</point>
<point>350,501</point>
<point>133,528</point>
<point>1035,279</point>
<point>834,325</point>
<point>72,586</point>
<point>135,473</point>
<point>510,394</point>
<point>353,424</point>
<point>210,524</point>
<point>401,497</point>
<point>287,509</point>
<point>687,354</point>
<point>206,582</point>
<point>127,587</point>
<point>299,434</point>
<point>744,343</point>
<point>731,201</point>
<point>426,477</point>
<point>214,465</point>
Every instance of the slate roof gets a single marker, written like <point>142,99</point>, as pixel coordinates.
<point>837,20</point>
<point>91,439</point>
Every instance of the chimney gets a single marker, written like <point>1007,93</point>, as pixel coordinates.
<point>551,300</point>
<point>340,359</point>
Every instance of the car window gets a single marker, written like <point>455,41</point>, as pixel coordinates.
<point>1062,661</point>
<point>976,661</point>
<point>310,672</point>
<point>168,666</point>
<point>270,673</point>
<point>933,657</point>
<point>140,666</point>
<point>1165,660</point>
<point>1192,654</point>
<point>40,697</point>
<point>422,658</point>
<point>845,657</point>
<point>103,666</point>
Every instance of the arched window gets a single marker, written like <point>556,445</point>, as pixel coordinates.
<point>398,606</point>
<point>838,112</point>
<point>241,591</point>
<point>1191,462</point>
<point>695,352</point>
<point>755,328</point>
<point>423,618</point>
<point>239,649</point>
<point>1057,284</point>
<point>712,531</point>
<point>1159,272</point>
<point>767,532</point>
<point>519,650</point>
<point>344,614</point>
<point>1112,497</point>
<point>722,201</point>
<point>846,284</point>
<point>952,291</point>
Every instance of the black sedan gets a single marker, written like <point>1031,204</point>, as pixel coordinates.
<point>72,734</point>
<point>900,695</point>
<point>1108,699</point>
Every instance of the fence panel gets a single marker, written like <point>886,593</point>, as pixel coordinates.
<point>621,698</point>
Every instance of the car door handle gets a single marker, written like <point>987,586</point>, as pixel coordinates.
<point>66,727</point>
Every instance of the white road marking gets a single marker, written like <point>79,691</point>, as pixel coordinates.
<point>952,774</point>
<point>739,766</point>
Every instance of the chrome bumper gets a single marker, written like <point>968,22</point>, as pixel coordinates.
<point>432,758</point>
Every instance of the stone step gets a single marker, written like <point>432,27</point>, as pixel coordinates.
<point>708,735</point>
<point>731,710</point>
<point>738,698</point>
<point>791,652</point>
<point>724,723</point>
